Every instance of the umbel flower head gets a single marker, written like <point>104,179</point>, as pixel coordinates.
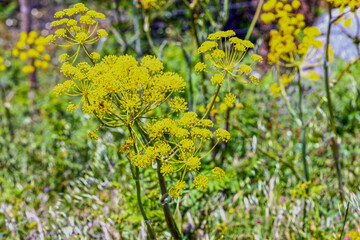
<point>77,26</point>
<point>120,90</point>
<point>225,53</point>
<point>31,46</point>
<point>179,145</point>
<point>292,44</point>
<point>285,44</point>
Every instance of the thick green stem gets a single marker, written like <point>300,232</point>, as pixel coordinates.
<point>333,141</point>
<point>175,233</point>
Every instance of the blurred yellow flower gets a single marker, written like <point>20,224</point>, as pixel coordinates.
<point>31,46</point>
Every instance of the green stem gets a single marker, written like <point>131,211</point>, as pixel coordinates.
<point>136,177</point>
<point>137,29</point>
<point>175,233</point>
<point>147,22</point>
<point>303,128</point>
<point>254,20</point>
<point>303,141</point>
<point>149,227</point>
<point>286,99</point>
<point>333,141</point>
<point>88,54</point>
<point>346,213</point>
<point>212,102</point>
<point>166,207</point>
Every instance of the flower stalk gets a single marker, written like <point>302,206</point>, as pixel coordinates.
<point>333,141</point>
<point>175,233</point>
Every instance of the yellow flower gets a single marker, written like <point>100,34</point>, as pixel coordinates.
<point>92,135</point>
<point>2,65</point>
<point>151,4</point>
<point>275,90</point>
<point>201,182</point>
<point>199,67</point>
<point>178,104</point>
<point>268,18</point>
<point>312,75</point>
<point>117,90</point>
<point>222,134</point>
<point>177,191</point>
<point>217,79</point>
<point>285,79</point>
<point>218,173</point>
<point>345,3</point>
<point>193,163</point>
<point>184,139</point>
<point>23,56</point>
<point>28,69</point>
<point>286,46</point>
<point>77,32</point>
<point>230,100</point>
<point>166,169</point>
<point>295,4</point>
<point>269,5</point>
<point>225,53</point>
<point>347,23</point>
<point>95,56</point>
<point>31,46</point>
<point>223,107</point>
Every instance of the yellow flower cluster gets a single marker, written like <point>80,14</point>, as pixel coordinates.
<point>275,90</point>
<point>178,144</point>
<point>77,26</point>
<point>119,90</point>
<point>342,4</point>
<point>225,53</point>
<point>2,65</point>
<point>287,47</point>
<point>284,43</point>
<point>353,4</point>
<point>31,46</point>
<point>354,235</point>
<point>150,4</point>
